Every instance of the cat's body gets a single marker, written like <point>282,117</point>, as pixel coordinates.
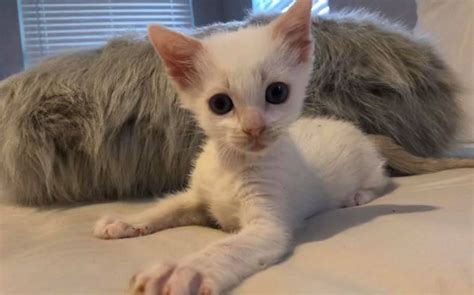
<point>321,164</point>
<point>328,166</point>
<point>260,173</point>
<point>105,124</point>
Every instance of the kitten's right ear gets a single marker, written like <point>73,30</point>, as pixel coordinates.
<point>294,28</point>
<point>178,52</point>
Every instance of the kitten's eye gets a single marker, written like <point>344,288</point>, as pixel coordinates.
<point>221,104</point>
<point>277,93</point>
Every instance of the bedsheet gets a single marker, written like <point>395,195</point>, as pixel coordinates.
<point>417,239</point>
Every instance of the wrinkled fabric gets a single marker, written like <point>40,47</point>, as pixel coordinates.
<point>416,239</point>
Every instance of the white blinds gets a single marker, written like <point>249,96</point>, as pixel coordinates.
<point>53,26</point>
<point>319,6</point>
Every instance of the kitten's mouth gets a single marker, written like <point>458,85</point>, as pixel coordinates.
<point>256,146</point>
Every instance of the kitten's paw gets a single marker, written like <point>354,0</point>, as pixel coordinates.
<point>359,198</point>
<point>151,280</point>
<point>167,279</point>
<point>188,281</point>
<point>109,227</point>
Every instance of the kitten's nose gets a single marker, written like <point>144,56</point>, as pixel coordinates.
<point>253,123</point>
<point>254,132</point>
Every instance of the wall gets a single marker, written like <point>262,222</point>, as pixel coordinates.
<point>11,60</point>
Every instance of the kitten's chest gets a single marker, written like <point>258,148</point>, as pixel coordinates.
<point>221,191</point>
<point>227,189</point>
<point>280,177</point>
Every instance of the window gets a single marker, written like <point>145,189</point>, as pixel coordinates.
<point>52,26</point>
<point>319,6</point>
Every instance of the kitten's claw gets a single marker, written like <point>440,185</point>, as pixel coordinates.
<point>188,281</point>
<point>167,279</point>
<point>359,198</point>
<point>110,227</point>
<point>151,280</point>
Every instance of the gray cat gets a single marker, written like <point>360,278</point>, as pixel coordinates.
<point>96,125</point>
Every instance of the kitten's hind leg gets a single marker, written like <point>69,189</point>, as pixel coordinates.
<point>173,211</point>
<point>374,186</point>
<point>358,198</point>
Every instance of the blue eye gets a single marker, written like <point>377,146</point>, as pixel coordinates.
<point>221,104</point>
<point>277,93</point>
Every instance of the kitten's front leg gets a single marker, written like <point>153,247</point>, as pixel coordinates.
<point>176,210</point>
<point>262,242</point>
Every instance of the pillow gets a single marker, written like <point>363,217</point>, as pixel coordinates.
<point>449,25</point>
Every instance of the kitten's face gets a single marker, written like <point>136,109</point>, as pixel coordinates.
<point>245,87</point>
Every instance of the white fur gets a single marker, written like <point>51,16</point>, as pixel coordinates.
<point>256,61</point>
<point>306,166</point>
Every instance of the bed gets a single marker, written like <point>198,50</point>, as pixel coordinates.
<point>416,239</point>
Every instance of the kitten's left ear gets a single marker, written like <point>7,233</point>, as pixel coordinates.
<point>294,28</point>
<point>179,53</point>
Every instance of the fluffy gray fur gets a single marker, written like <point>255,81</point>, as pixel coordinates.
<point>105,124</point>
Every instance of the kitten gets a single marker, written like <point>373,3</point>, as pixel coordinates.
<point>260,173</point>
<point>105,123</point>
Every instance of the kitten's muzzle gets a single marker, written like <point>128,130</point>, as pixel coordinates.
<point>256,138</point>
<point>253,122</point>
<point>254,132</point>
<point>254,129</point>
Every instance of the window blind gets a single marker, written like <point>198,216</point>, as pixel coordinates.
<point>53,26</point>
<point>320,7</point>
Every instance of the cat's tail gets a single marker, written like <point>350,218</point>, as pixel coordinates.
<point>402,161</point>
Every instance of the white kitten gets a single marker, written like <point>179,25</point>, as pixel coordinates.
<point>259,173</point>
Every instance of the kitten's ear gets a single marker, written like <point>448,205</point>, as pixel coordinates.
<point>179,54</point>
<point>294,28</point>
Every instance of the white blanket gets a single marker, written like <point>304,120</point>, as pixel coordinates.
<point>417,239</point>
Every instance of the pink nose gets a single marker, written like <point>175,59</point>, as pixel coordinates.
<point>253,122</point>
<point>254,132</point>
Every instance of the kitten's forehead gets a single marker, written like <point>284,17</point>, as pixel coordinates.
<point>242,49</point>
